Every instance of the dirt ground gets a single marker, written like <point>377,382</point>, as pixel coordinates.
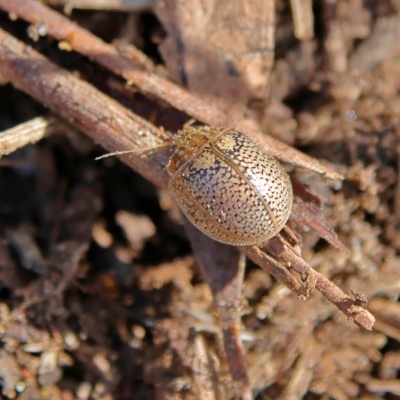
<point>106,292</point>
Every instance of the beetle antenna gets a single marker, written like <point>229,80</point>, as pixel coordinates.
<point>117,153</point>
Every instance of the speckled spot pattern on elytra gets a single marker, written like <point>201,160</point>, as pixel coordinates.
<point>230,189</point>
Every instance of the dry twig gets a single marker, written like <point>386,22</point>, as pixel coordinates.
<point>28,132</point>
<point>87,44</point>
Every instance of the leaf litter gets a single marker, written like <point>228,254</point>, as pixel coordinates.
<point>101,296</point>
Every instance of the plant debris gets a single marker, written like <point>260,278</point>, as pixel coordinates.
<point>106,291</point>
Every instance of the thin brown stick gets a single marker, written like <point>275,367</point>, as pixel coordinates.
<point>348,306</point>
<point>223,266</point>
<point>266,262</point>
<point>103,119</point>
<point>85,43</point>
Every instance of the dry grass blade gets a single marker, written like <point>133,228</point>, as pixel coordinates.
<point>28,132</point>
<point>311,215</point>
